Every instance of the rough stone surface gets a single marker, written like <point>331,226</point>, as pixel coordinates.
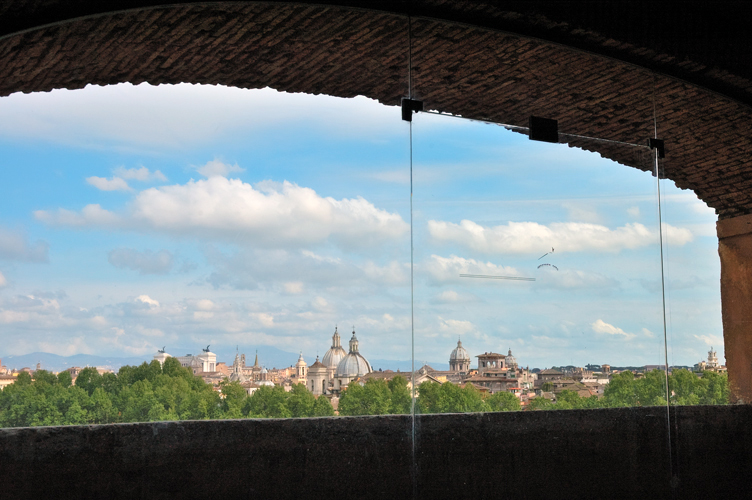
<point>487,67</point>
<point>735,251</point>
<point>611,453</point>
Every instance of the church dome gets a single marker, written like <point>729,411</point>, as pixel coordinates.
<point>353,364</point>
<point>459,353</point>
<point>510,361</point>
<point>336,353</point>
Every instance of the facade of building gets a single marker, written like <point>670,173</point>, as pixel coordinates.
<point>318,379</point>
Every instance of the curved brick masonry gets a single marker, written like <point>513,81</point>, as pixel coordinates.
<point>609,453</point>
<point>494,64</point>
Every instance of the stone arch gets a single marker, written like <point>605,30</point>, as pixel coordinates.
<point>600,69</point>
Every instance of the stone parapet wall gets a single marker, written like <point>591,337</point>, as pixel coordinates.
<point>609,453</point>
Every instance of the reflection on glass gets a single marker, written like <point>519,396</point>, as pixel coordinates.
<point>538,266</point>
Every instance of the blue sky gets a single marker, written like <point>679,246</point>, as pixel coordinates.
<point>133,217</point>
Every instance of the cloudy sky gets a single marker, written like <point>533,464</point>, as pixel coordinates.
<point>133,217</point>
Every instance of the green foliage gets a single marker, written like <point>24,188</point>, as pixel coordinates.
<point>234,397</point>
<point>322,407</point>
<point>449,398</point>
<point>541,403</point>
<point>503,401</point>
<point>376,397</point>
<point>401,400</point>
<point>24,378</point>
<point>372,398</point>
<point>267,402</point>
<point>45,377</point>
<point>300,402</point>
<point>64,379</point>
<point>151,392</point>
<point>89,379</point>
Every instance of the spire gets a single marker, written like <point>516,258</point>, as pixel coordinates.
<point>256,363</point>
<point>335,339</point>
<point>354,342</point>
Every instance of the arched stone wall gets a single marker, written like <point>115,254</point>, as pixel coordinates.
<point>614,70</point>
<point>472,71</point>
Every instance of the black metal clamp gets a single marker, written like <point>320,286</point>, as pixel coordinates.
<point>409,106</point>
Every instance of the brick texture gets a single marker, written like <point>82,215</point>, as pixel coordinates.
<point>469,70</point>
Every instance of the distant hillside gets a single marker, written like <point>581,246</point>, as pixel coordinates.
<point>269,357</point>
<point>54,362</point>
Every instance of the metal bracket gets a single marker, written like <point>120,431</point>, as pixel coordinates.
<point>409,106</point>
<point>544,129</point>
<point>659,145</point>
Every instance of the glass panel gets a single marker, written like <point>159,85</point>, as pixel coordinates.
<point>534,255</point>
<point>232,230</point>
<point>692,270</point>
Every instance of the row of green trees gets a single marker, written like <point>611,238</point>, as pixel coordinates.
<point>624,389</point>
<point>378,397</point>
<point>151,392</point>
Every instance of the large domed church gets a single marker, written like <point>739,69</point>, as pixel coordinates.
<point>338,368</point>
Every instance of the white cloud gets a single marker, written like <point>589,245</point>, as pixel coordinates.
<point>648,333</point>
<point>531,237</point>
<point>394,273</point>
<point>139,174</point>
<point>710,340</point>
<point>216,168</point>
<point>633,212</point>
<point>145,299</point>
<point>448,269</point>
<point>146,262</point>
<point>456,327</point>
<point>90,215</point>
<point>275,215</point>
<point>103,184</point>
<point>265,319</point>
<point>3,281</point>
<point>600,326</point>
<point>205,305</point>
<point>452,297</point>
<point>125,116</point>
<point>14,245</point>
<point>293,287</point>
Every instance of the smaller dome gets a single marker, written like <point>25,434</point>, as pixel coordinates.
<point>459,353</point>
<point>354,364</point>
<point>336,353</point>
<point>510,361</point>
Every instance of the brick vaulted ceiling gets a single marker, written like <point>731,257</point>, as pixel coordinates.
<point>600,68</point>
